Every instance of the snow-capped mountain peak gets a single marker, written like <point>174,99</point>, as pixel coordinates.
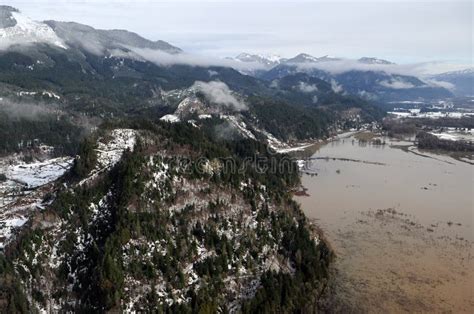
<point>105,42</point>
<point>270,60</point>
<point>327,58</point>
<point>302,58</point>
<point>306,58</point>
<point>267,60</point>
<point>468,71</point>
<point>371,60</point>
<point>17,29</point>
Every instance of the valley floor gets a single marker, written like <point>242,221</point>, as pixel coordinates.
<point>399,221</point>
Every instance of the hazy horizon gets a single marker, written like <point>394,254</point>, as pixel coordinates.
<point>399,31</point>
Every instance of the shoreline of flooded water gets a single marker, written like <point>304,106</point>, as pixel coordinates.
<point>401,226</point>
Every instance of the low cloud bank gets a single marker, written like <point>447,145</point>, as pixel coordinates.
<point>16,110</point>
<point>443,84</point>
<point>219,93</point>
<point>28,111</point>
<point>422,69</point>
<point>167,59</point>
<point>334,67</point>
<point>396,84</point>
<point>345,65</point>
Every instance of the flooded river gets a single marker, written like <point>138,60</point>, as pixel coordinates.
<point>400,222</point>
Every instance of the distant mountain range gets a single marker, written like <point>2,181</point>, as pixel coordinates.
<point>118,74</point>
<point>370,60</point>
<point>265,60</point>
<point>463,81</point>
<point>271,61</point>
<point>368,77</point>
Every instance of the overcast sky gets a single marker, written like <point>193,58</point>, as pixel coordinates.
<point>401,31</point>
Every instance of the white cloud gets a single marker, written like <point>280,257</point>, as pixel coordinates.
<point>336,87</point>
<point>334,67</point>
<point>219,93</point>
<point>367,95</point>
<point>442,84</point>
<point>345,65</point>
<point>274,84</point>
<point>27,110</point>
<point>307,88</point>
<point>413,69</point>
<point>167,59</point>
<point>396,84</point>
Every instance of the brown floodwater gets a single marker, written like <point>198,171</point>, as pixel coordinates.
<point>401,224</point>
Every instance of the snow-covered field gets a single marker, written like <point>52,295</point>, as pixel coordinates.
<point>22,177</point>
<point>27,31</point>
<point>43,93</point>
<point>22,191</point>
<point>38,173</point>
<point>170,118</point>
<point>455,135</point>
<point>7,225</point>
<point>415,113</point>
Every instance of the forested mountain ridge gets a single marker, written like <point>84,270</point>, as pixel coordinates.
<point>146,231</point>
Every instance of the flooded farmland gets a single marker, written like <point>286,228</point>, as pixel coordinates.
<point>400,222</point>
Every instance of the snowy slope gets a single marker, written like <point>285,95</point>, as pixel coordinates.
<point>265,60</point>
<point>370,60</point>
<point>27,31</point>
<point>306,58</point>
<point>38,173</point>
<point>111,150</point>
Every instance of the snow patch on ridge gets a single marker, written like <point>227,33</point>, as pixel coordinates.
<point>110,152</point>
<point>39,173</point>
<point>171,118</point>
<point>27,31</point>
